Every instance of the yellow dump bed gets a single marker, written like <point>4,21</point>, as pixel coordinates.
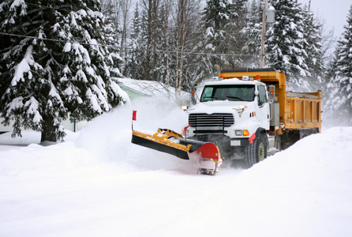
<point>297,110</point>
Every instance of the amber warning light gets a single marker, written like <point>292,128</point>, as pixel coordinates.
<point>245,133</point>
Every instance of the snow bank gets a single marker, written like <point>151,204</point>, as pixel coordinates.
<point>108,137</point>
<point>302,191</point>
<point>28,137</point>
<point>99,184</point>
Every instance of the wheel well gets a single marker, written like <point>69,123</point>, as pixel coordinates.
<point>262,131</point>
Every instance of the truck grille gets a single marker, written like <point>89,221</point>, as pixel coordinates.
<point>211,120</point>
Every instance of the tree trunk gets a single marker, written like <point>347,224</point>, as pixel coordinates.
<point>167,49</point>
<point>147,59</point>
<point>49,130</point>
<point>183,18</point>
<point>182,29</point>
<point>155,26</point>
<point>125,6</point>
<point>176,79</point>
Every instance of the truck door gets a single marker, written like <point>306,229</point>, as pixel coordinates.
<point>263,109</point>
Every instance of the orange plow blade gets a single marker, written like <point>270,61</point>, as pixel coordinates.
<point>206,154</point>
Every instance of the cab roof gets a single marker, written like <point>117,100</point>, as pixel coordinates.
<point>234,81</point>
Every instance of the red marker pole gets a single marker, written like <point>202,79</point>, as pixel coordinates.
<point>185,130</point>
<point>134,117</point>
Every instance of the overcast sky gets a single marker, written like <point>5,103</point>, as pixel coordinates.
<point>333,11</point>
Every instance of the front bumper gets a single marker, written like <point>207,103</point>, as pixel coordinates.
<point>221,140</point>
<point>230,148</point>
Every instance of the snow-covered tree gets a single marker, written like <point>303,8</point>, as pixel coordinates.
<point>340,101</point>
<point>252,35</point>
<point>142,53</point>
<point>54,64</point>
<point>110,10</point>
<point>238,21</point>
<point>216,17</point>
<point>285,41</point>
<point>135,52</point>
<point>331,101</point>
<point>312,46</point>
<point>163,68</point>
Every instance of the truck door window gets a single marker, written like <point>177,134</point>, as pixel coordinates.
<point>262,95</point>
<point>207,94</point>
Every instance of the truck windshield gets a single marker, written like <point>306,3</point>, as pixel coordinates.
<point>228,92</point>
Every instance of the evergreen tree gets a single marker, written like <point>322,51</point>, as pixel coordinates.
<point>238,21</point>
<point>143,42</point>
<point>110,11</point>
<point>332,101</point>
<point>163,41</point>
<point>135,53</point>
<point>54,65</point>
<point>312,46</point>
<point>341,66</point>
<point>252,35</point>
<point>216,17</point>
<point>285,41</point>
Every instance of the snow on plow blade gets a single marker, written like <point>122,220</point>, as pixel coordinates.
<point>173,143</point>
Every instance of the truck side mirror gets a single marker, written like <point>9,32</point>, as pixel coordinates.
<point>271,97</point>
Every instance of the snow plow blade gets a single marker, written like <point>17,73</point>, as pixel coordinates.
<point>173,143</point>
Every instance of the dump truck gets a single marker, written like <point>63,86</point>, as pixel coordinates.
<point>249,113</point>
<point>241,117</point>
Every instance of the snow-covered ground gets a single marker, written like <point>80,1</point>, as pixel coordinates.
<point>99,184</point>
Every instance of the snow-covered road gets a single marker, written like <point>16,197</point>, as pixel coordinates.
<point>99,184</point>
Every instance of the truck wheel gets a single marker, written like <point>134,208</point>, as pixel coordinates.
<point>262,149</point>
<point>255,152</point>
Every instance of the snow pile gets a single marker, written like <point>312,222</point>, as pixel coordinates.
<point>99,184</point>
<point>28,137</point>
<point>302,191</point>
<point>112,133</point>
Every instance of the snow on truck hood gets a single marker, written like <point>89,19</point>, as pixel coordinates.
<point>219,106</point>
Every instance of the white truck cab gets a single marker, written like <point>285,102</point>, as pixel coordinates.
<point>235,115</point>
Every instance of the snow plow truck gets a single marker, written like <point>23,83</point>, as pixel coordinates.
<point>244,115</point>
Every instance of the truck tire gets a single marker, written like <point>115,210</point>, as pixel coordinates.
<point>255,152</point>
<point>262,148</point>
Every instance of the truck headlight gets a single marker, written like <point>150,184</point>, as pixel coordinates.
<point>241,132</point>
